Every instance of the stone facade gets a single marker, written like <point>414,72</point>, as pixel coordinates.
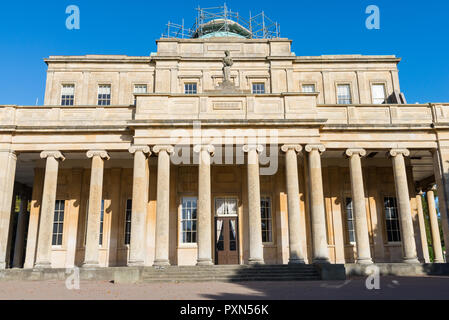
<point>341,185</point>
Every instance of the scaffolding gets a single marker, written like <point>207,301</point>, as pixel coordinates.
<point>223,21</point>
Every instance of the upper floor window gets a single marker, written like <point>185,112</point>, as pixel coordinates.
<point>129,205</point>
<point>258,88</point>
<point>392,219</point>
<point>190,88</point>
<point>266,219</point>
<point>188,220</point>
<point>378,93</point>
<point>104,95</point>
<point>67,95</point>
<point>58,223</point>
<point>344,94</point>
<point>350,220</point>
<point>139,89</point>
<point>101,223</point>
<point>308,88</point>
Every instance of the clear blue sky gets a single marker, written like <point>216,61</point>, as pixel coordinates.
<point>417,31</point>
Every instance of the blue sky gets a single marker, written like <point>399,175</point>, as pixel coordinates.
<point>417,31</point>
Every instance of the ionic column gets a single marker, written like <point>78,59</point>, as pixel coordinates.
<point>204,205</point>
<point>8,160</point>
<point>43,254</point>
<point>403,197</point>
<point>422,227</point>
<point>318,215</point>
<point>435,230</point>
<point>254,219</point>
<point>359,206</point>
<point>20,233</point>
<point>162,205</point>
<point>294,220</point>
<point>139,205</point>
<point>93,215</point>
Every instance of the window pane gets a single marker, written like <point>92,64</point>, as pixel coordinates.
<point>190,88</point>
<point>258,88</point>
<point>188,220</point>
<point>266,219</point>
<point>378,93</point>
<point>392,219</point>
<point>308,88</point>
<point>58,223</point>
<point>344,94</point>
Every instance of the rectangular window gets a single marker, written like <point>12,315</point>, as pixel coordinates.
<point>350,220</point>
<point>139,89</point>
<point>392,219</point>
<point>266,219</point>
<point>104,95</point>
<point>58,223</point>
<point>378,93</point>
<point>344,94</point>
<point>129,205</point>
<point>259,88</point>
<point>308,88</point>
<point>188,220</point>
<point>190,88</point>
<point>101,222</point>
<point>68,95</point>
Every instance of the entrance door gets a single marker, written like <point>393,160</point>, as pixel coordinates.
<point>226,231</point>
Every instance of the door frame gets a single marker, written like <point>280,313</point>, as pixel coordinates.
<point>237,218</point>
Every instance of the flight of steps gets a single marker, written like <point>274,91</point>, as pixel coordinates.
<point>231,273</point>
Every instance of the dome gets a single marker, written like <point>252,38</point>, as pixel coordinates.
<point>222,28</point>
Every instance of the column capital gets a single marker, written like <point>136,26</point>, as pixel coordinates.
<point>420,191</point>
<point>396,152</point>
<point>319,147</point>
<point>53,154</point>
<point>100,153</point>
<point>143,148</point>
<point>355,151</point>
<point>248,147</point>
<point>295,147</point>
<point>432,188</point>
<point>204,147</point>
<point>167,148</point>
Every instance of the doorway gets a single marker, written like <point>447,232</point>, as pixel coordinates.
<point>226,231</point>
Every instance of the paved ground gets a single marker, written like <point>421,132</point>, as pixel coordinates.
<point>390,288</point>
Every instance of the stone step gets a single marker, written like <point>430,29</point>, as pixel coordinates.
<point>157,276</point>
<point>233,279</point>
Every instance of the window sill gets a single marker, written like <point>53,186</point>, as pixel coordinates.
<point>187,246</point>
<point>269,245</point>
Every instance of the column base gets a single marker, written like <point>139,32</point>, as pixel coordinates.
<point>135,263</point>
<point>320,261</point>
<point>42,265</point>
<point>296,261</point>
<point>364,261</point>
<point>2,265</point>
<point>161,263</point>
<point>410,260</point>
<point>255,261</point>
<point>90,264</point>
<point>435,261</point>
<point>204,262</point>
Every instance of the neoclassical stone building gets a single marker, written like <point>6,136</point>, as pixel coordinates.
<point>159,160</point>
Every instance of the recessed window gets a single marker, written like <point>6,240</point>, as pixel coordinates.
<point>190,88</point>
<point>140,89</point>
<point>350,226</point>
<point>67,95</point>
<point>378,93</point>
<point>344,94</point>
<point>392,219</point>
<point>104,95</point>
<point>101,223</point>
<point>188,220</point>
<point>266,219</point>
<point>58,223</point>
<point>258,88</point>
<point>129,205</point>
<point>308,88</point>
